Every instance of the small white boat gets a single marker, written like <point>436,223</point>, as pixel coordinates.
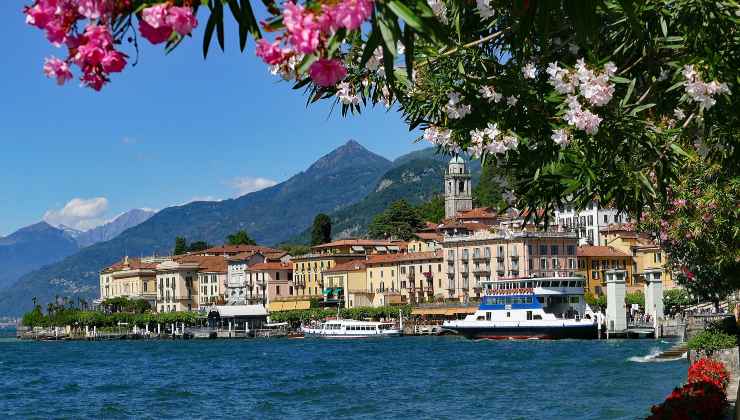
<point>347,328</point>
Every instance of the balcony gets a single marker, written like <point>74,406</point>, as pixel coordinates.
<point>481,257</point>
<point>482,269</point>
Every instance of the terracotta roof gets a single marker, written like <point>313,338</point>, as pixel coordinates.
<point>600,251</point>
<point>243,256</point>
<point>411,256</point>
<point>353,265</point>
<point>448,224</point>
<point>267,266</point>
<point>619,227</point>
<point>429,236</point>
<point>236,249</point>
<point>477,213</point>
<point>209,264</point>
<point>357,242</point>
<point>133,264</point>
<point>274,255</point>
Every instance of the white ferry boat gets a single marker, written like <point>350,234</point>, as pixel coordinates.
<point>347,328</point>
<point>530,308</point>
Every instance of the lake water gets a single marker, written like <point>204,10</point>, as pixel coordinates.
<point>412,377</point>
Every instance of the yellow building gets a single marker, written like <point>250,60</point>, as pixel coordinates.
<point>132,278</point>
<point>593,261</point>
<point>646,254</point>
<point>308,269</point>
<point>346,283</point>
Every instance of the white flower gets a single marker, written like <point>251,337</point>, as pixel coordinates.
<point>699,91</point>
<point>454,108</point>
<point>560,79</point>
<point>679,114</point>
<point>375,60</point>
<point>438,136</point>
<point>529,71</point>
<point>439,9</point>
<point>582,119</point>
<point>386,98</point>
<point>345,95</point>
<point>610,69</point>
<point>512,100</point>
<point>491,95</point>
<point>484,9</point>
<point>560,137</point>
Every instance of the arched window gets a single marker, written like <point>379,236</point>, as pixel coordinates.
<point>462,186</point>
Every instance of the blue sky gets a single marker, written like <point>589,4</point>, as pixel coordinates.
<point>172,129</point>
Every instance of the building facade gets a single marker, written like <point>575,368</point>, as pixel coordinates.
<point>457,188</point>
<point>647,255</point>
<point>177,286</point>
<point>589,221</point>
<point>237,288</point>
<point>131,278</point>
<point>472,261</point>
<point>595,261</point>
<point>269,281</point>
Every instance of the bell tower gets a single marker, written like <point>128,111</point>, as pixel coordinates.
<point>458,189</point>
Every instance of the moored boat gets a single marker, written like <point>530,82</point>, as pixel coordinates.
<point>531,308</point>
<point>348,328</point>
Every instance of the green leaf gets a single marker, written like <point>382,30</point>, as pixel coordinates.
<point>373,41</point>
<point>618,79</point>
<point>220,24</point>
<point>641,108</point>
<point>627,96</point>
<point>389,37</point>
<point>402,11</point>
<point>208,33</point>
<point>408,43</point>
<point>663,26</point>
<point>306,63</point>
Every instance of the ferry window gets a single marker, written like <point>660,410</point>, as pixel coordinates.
<point>545,284</point>
<point>537,317</point>
<point>508,314</point>
<point>540,299</point>
<point>480,318</point>
<point>488,316</point>
<point>529,284</point>
<point>529,315</point>
<point>572,284</point>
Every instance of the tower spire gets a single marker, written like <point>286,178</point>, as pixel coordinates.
<point>458,189</point>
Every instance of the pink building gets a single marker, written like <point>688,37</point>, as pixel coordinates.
<point>270,281</point>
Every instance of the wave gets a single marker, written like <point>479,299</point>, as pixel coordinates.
<point>653,357</point>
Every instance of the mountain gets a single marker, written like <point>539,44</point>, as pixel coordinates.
<point>32,247</point>
<point>270,216</point>
<point>415,177</point>
<point>114,228</point>
<point>70,231</point>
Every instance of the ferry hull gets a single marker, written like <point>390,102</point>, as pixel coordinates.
<point>529,332</point>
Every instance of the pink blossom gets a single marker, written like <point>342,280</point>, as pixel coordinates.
<point>56,68</point>
<point>114,61</point>
<point>156,16</point>
<point>99,35</point>
<point>679,203</point>
<point>302,29</point>
<point>56,33</point>
<point>89,55</point>
<point>154,35</point>
<point>93,78</point>
<point>306,40</point>
<point>327,72</point>
<point>40,14</point>
<point>270,53</point>
<point>351,14</point>
<point>92,9</point>
<point>181,19</point>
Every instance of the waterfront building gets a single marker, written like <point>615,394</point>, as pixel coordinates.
<point>211,278</point>
<point>646,253</point>
<point>458,188</point>
<point>425,242</point>
<point>405,278</point>
<point>269,281</point>
<point>589,221</point>
<point>236,288</point>
<point>308,268</point>
<point>133,278</point>
<point>345,284</point>
<point>473,259</point>
<point>177,286</point>
<point>595,261</point>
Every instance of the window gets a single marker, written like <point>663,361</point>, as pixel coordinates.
<point>403,270</point>
<point>465,254</point>
<point>500,251</point>
<point>554,250</point>
<point>595,274</point>
<point>487,252</point>
<point>571,250</point>
<point>530,264</point>
<point>555,263</point>
<point>393,273</point>
<point>450,255</point>
<point>658,257</point>
<point>543,263</point>
<point>439,268</point>
<point>590,220</point>
<point>543,249</point>
<point>529,249</point>
<point>606,218</point>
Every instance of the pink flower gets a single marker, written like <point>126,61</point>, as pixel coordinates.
<point>270,53</point>
<point>40,14</point>
<point>351,14</point>
<point>56,68</point>
<point>707,217</point>
<point>93,78</point>
<point>92,9</point>
<point>99,36</point>
<point>302,29</point>
<point>181,19</point>
<point>56,33</point>
<point>327,20</point>
<point>156,16</point>
<point>114,61</point>
<point>327,72</point>
<point>680,203</point>
<point>154,35</point>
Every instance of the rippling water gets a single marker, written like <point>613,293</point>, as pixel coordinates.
<point>420,377</point>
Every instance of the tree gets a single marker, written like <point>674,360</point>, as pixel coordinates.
<point>181,246</point>
<point>399,221</point>
<point>674,300</point>
<point>198,246</point>
<point>488,191</point>
<point>432,210</point>
<point>321,229</point>
<point>295,249</point>
<point>240,238</point>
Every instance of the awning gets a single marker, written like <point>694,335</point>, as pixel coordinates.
<point>381,248</point>
<point>230,311</point>
<point>328,291</point>
<point>358,249</point>
<point>394,248</point>
<point>288,305</point>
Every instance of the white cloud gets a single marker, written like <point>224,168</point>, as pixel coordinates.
<point>79,213</point>
<point>248,184</point>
